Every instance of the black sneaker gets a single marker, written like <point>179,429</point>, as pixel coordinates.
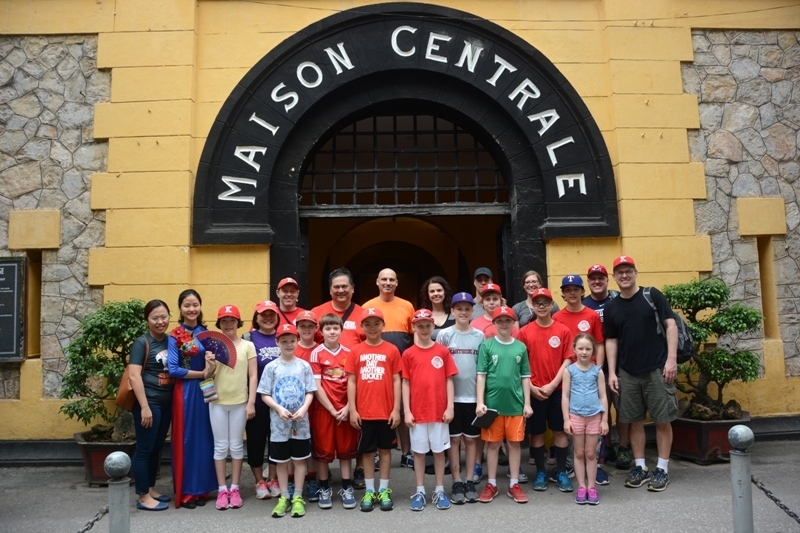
<point>407,460</point>
<point>458,494</point>
<point>638,477</point>
<point>659,481</point>
<point>470,493</point>
<point>624,458</point>
<point>358,479</point>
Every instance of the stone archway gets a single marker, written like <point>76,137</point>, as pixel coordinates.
<point>553,157</point>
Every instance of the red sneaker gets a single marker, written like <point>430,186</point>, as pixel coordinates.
<point>488,494</point>
<point>516,493</point>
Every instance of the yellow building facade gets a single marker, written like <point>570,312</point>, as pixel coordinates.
<point>114,111</point>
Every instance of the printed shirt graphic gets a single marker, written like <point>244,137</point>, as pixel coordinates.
<point>266,349</point>
<point>288,384</point>
<point>374,368</point>
<point>464,349</point>
<point>584,321</point>
<point>427,370</point>
<point>504,365</point>
<point>328,367</point>
<point>547,349</point>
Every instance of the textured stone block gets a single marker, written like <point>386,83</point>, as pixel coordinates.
<point>761,216</point>
<point>123,190</point>
<point>32,230</point>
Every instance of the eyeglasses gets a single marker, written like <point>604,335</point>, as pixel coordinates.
<point>162,318</point>
<point>541,305</point>
<point>627,272</point>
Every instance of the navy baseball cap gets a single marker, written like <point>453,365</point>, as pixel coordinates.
<point>572,279</point>
<point>460,297</point>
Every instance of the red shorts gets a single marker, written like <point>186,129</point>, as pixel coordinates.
<point>331,439</point>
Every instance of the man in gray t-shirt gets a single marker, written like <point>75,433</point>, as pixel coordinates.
<point>288,384</point>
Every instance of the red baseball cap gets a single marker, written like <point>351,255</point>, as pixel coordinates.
<point>491,287</point>
<point>372,312</point>
<point>288,281</point>
<point>422,314</point>
<point>306,315</point>
<point>286,329</point>
<point>229,310</point>
<point>503,310</point>
<point>266,305</point>
<point>597,269</point>
<point>542,292</point>
<point>624,260</point>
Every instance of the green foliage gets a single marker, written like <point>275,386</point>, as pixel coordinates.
<point>96,359</point>
<point>711,362</point>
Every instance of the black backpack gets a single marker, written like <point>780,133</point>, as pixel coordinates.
<point>685,341</point>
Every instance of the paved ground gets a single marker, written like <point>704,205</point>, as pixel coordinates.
<point>698,500</point>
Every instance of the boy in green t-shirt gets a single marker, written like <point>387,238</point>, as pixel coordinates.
<point>504,385</point>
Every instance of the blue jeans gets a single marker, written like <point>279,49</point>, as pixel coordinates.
<point>149,441</point>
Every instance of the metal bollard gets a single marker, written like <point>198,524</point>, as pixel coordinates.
<point>116,465</point>
<point>741,438</point>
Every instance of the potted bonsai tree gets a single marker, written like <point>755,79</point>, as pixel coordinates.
<point>96,359</point>
<point>717,326</point>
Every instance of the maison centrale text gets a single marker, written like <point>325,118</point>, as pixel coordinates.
<point>437,48</point>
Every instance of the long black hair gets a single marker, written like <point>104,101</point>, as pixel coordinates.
<point>185,294</point>
<point>426,300</point>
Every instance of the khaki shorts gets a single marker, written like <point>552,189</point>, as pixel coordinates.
<point>645,393</point>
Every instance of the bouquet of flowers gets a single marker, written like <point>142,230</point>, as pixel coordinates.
<point>186,344</point>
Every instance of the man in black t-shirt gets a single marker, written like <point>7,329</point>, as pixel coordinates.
<point>647,366</point>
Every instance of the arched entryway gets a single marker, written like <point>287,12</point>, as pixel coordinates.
<point>408,59</point>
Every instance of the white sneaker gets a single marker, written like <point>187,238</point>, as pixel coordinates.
<point>262,491</point>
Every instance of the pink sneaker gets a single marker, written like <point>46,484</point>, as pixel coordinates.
<point>235,498</point>
<point>222,500</point>
<point>580,496</point>
<point>593,498</point>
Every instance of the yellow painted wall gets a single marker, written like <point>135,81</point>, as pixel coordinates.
<point>173,63</point>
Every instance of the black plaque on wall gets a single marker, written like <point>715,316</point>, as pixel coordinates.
<point>12,309</point>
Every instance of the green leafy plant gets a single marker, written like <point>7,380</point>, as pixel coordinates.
<point>96,359</point>
<point>710,316</point>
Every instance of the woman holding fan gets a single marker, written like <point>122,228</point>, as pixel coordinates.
<point>192,440</point>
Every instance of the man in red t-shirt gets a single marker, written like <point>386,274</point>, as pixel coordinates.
<point>373,393</point>
<point>288,292</point>
<point>342,286</point>
<point>549,345</point>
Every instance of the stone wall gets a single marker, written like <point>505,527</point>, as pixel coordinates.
<point>748,84</point>
<point>48,88</point>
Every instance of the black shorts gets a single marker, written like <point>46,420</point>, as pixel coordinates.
<point>292,449</point>
<point>463,415</point>
<point>546,413</point>
<point>375,435</point>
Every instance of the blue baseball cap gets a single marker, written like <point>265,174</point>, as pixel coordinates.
<point>462,297</point>
<point>572,279</point>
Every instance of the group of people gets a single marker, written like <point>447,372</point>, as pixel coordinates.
<point>464,371</point>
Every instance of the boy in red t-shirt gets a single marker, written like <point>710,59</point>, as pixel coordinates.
<point>579,318</point>
<point>549,345</point>
<point>491,299</point>
<point>373,393</point>
<point>428,370</point>
<point>307,327</point>
<point>333,436</point>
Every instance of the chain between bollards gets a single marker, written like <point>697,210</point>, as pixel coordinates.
<point>775,499</point>
<point>90,524</point>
